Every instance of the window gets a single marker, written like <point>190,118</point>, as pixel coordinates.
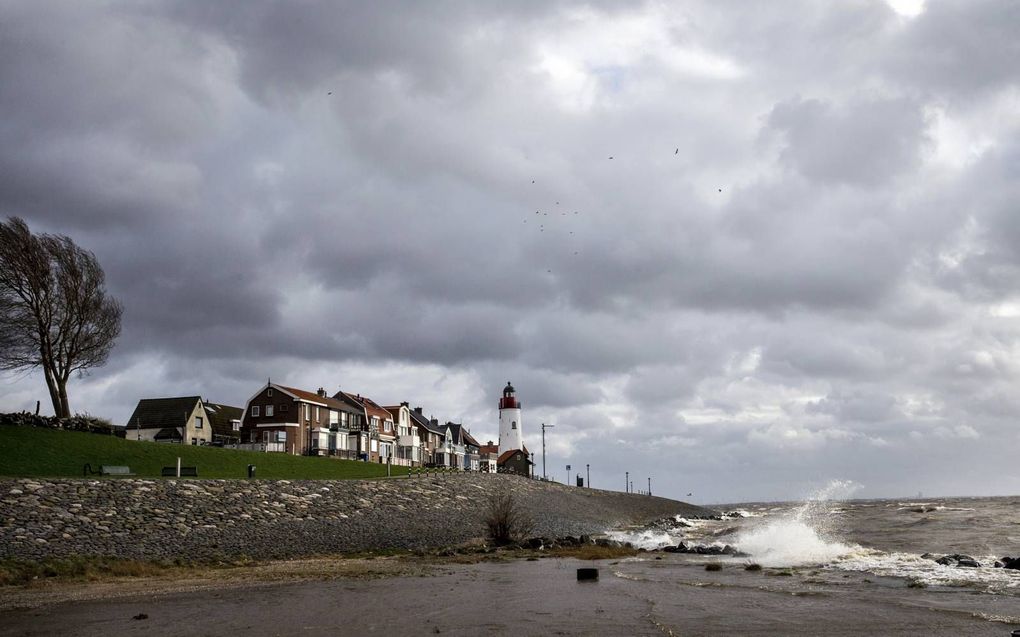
<point>254,411</point>
<point>269,410</point>
<point>316,414</point>
<point>236,425</point>
<point>281,436</point>
<point>513,425</point>
<point>269,392</point>
<point>198,422</point>
<point>308,411</point>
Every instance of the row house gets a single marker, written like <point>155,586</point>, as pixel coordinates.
<point>461,449</point>
<point>409,443</point>
<point>433,437</point>
<point>381,432</point>
<point>488,455</point>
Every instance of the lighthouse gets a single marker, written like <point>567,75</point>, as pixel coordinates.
<point>509,421</point>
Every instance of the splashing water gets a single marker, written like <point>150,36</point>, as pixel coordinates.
<point>800,538</point>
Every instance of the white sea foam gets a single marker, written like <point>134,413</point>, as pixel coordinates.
<point>928,572</point>
<point>790,543</point>
<point>800,537</point>
<point>649,539</point>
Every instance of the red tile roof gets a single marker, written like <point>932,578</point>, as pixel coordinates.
<point>312,397</point>
<point>506,456</point>
<point>483,449</point>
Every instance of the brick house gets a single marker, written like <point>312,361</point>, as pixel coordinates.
<point>295,421</point>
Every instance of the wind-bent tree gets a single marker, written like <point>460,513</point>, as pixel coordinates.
<point>54,310</point>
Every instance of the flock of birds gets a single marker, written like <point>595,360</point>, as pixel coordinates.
<point>540,215</point>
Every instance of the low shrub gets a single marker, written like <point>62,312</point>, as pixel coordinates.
<point>505,520</point>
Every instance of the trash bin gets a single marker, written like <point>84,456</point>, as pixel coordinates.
<point>251,471</point>
<point>580,481</point>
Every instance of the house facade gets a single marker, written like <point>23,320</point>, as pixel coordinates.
<point>408,442</point>
<point>225,422</point>
<point>380,433</point>
<point>181,420</point>
<point>433,438</point>
<point>515,461</point>
<point>488,454</point>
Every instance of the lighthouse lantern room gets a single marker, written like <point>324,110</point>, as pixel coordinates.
<point>510,437</point>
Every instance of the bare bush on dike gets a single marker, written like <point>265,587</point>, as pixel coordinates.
<point>506,519</point>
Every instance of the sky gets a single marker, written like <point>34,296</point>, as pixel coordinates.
<point>742,249</point>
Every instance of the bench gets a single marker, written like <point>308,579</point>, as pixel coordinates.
<point>107,470</point>
<point>186,472</point>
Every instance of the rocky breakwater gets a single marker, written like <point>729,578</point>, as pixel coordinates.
<point>210,519</point>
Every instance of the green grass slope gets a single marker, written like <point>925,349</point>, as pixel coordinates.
<point>29,451</point>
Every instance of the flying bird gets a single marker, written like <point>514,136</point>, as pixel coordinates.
<point>610,156</point>
<point>676,152</point>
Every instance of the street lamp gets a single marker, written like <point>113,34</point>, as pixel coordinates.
<point>626,482</point>
<point>587,472</point>
<point>544,427</point>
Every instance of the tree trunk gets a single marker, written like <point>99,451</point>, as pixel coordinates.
<point>65,407</point>
<point>51,385</point>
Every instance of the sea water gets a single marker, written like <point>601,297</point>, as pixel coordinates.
<point>833,533</point>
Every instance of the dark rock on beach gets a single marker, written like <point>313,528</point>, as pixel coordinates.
<point>958,559</point>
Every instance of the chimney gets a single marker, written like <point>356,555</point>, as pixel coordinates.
<point>417,410</point>
<point>404,404</point>
<point>321,392</point>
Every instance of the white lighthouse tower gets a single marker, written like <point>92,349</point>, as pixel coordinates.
<point>509,421</point>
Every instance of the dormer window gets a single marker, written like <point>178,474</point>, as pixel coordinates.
<point>269,392</point>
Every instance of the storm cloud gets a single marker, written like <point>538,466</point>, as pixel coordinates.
<point>740,250</point>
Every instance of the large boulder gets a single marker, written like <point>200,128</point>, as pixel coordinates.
<point>958,559</point>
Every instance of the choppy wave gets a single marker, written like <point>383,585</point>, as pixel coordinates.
<point>927,572</point>
<point>801,536</point>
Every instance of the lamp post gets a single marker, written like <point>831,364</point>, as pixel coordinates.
<point>649,486</point>
<point>587,473</point>
<point>568,475</point>
<point>626,482</point>
<point>544,427</point>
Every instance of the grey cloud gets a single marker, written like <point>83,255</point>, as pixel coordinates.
<point>865,142</point>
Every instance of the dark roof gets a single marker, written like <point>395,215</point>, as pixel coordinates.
<point>470,440</point>
<point>484,449</point>
<point>427,423</point>
<point>220,417</point>
<point>157,413</point>
<point>169,433</point>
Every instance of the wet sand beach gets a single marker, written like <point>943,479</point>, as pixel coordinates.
<point>648,595</point>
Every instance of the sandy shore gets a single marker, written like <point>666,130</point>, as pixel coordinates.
<point>647,595</point>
